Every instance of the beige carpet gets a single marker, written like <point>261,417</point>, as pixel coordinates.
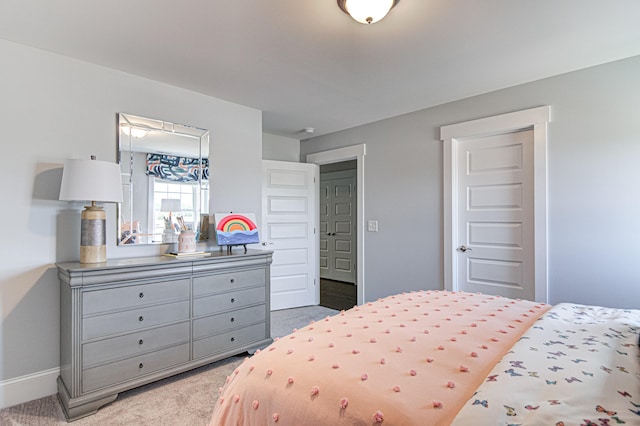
<point>185,399</point>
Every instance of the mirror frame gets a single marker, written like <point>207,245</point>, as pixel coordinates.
<point>166,139</point>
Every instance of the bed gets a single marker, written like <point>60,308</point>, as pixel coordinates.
<point>440,358</point>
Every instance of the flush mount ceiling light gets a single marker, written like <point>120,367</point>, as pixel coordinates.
<point>133,131</point>
<point>367,11</point>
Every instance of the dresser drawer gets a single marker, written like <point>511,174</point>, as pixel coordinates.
<point>216,324</point>
<point>233,300</point>
<point>134,319</point>
<point>135,343</point>
<point>97,301</point>
<point>228,281</point>
<point>131,368</point>
<point>229,340</point>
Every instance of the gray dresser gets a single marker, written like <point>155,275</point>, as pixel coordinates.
<point>132,321</point>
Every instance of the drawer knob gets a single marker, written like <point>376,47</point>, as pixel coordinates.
<point>140,342</point>
<point>140,366</point>
<point>141,295</point>
<point>232,319</point>
<point>140,318</point>
<point>233,300</point>
<point>233,339</point>
<point>232,280</point>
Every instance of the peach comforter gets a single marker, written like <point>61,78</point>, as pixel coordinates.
<point>408,359</point>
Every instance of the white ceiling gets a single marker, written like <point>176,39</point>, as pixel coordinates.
<point>307,64</point>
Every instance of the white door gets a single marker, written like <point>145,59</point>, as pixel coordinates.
<point>495,215</point>
<point>289,219</point>
<point>338,226</point>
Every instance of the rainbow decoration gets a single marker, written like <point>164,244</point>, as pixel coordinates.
<point>236,229</point>
<point>236,222</point>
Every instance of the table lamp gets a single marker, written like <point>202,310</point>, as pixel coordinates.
<point>170,205</point>
<point>95,181</point>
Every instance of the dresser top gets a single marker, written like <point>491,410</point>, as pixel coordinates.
<point>214,256</point>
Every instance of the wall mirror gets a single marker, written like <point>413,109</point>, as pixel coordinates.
<point>165,180</point>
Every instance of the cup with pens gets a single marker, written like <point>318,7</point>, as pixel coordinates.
<point>186,239</point>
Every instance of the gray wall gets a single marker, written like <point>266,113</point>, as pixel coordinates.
<point>53,108</point>
<point>280,148</point>
<point>593,202</point>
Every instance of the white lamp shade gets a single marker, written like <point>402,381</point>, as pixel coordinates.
<point>368,11</point>
<point>91,180</point>
<point>170,205</point>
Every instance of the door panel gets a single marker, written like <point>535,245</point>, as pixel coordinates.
<point>343,265</point>
<point>343,246</point>
<point>343,228</point>
<point>495,273</point>
<point>287,231</point>
<point>288,215</point>
<point>491,159</point>
<point>292,284</point>
<point>495,196</point>
<point>496,234</point>
<point>495,215</point>
<point>291,256</point>
<point>297,179</point>
<point>288,205</point>
<point>343,209</point>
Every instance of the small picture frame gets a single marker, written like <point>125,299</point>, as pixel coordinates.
<point>204,227</point>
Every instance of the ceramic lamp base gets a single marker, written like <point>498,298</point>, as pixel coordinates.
<point>93,237</point>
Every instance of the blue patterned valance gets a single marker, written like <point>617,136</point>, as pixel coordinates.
<point>177,169</point>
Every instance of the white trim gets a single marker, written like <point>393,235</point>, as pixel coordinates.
<point>498,124</point>
<point>29,387</point>
<point>358,153</point>
<point>536,119</point>
<point>541,271</point>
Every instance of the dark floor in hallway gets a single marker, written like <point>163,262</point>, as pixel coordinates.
<point>337,294</point>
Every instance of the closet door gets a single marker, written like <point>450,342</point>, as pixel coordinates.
<point>338,226</point>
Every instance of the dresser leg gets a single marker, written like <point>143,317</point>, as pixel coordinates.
<point>76,408</point>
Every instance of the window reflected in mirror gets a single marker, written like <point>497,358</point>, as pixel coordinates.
<point>165,180</point>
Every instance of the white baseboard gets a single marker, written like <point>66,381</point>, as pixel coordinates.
<point>29,387</point>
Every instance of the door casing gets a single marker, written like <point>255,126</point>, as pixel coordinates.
<point>536,119</point>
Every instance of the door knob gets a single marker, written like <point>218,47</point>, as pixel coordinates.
<point>464,248</point>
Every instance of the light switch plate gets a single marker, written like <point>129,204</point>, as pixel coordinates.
<point>372,226</point>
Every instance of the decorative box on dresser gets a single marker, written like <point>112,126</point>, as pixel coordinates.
<point>129,322</point>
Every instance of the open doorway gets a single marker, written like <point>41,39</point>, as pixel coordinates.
<point>356,153</point>
<point>337,203</point>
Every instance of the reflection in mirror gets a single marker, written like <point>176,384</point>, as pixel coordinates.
<point>165,180</point>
